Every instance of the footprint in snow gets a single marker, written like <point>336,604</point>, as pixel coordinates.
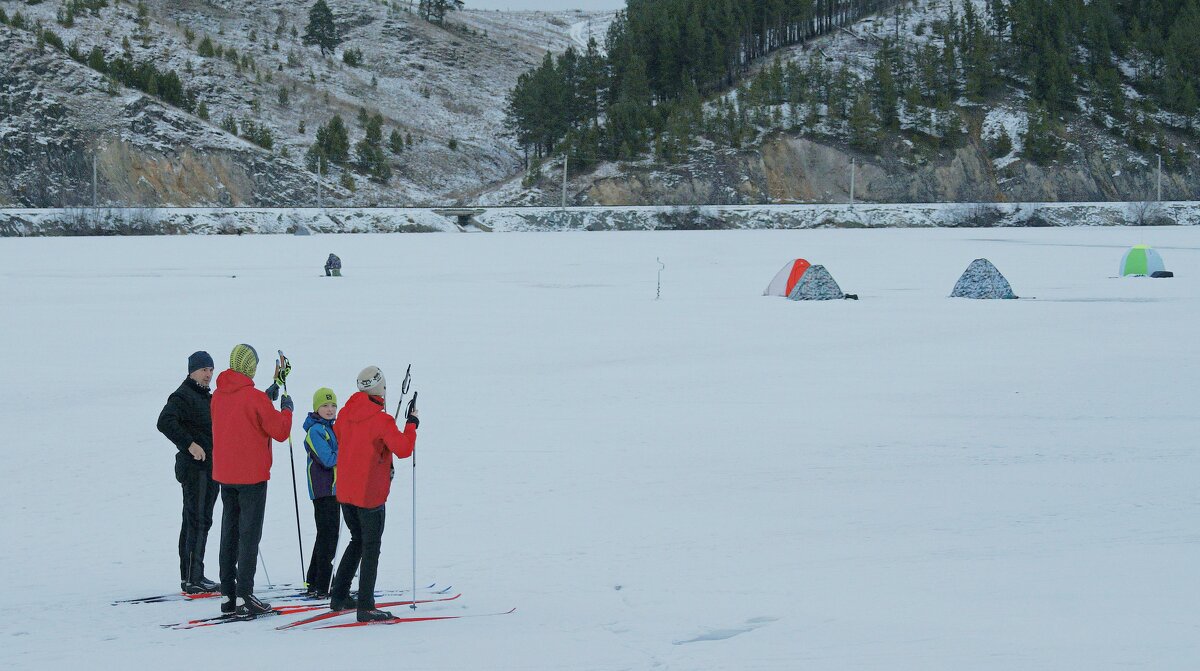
<point>723,634</point>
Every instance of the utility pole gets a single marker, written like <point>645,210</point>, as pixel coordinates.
<point>319,205</point>
<point>853,175</point>
<point>94,182</point>
<point>564,186</point>
<point>1160,178</point>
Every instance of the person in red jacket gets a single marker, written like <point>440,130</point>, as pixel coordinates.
<point>244,422</point>
<point>367,439</point>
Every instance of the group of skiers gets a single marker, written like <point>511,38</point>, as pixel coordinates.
<point>223,442</point>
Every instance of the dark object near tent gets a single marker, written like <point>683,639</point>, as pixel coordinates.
<point>816,285</point>
<point>1162,273</point>
<point>333,266</point>
<point>982,280</point>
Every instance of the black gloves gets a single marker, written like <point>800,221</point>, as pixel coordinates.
<point>273,392</point>
<point>285,403</point>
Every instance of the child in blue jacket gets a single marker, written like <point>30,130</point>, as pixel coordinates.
<point>321,445</point>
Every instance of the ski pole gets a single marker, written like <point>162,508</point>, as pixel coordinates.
<point>270,585</point>
<point>295,495</point>
<point>403,392</point>
<point>413,605</point>
<point>411,406</point>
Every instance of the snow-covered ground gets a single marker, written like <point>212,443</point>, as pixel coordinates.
<point>715,480</point>
<point>594,27</point>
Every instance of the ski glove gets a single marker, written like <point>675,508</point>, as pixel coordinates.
<point>412,407</point>
<point>273,392</point>
<point>282,368</point>
<point>285,403</point>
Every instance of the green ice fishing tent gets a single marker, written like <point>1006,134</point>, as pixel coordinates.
<point>1142,260</point>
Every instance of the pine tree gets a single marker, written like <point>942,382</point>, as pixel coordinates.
<point>1042,143</point>
<point>1001,146</point>
<point>321,30</point>
<point>396,142</point>
<point>96,60</point>
<point>435,10</point>
<point>1182,58</point>
<point>202,110</point>
<point>864,125</point>
<point>337,143</point>
<point>316,160</point>
<point>1188,104</point>
<point>374,129</point>
<point>887,95</point>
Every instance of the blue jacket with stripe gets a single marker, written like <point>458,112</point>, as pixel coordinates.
<point>321,445</point>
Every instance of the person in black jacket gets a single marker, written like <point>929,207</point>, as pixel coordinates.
<point>186,421</point>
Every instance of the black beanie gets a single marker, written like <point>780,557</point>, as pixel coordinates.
<point>199,360</point>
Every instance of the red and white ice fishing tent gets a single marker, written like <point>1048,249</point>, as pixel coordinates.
<point>787,277</point>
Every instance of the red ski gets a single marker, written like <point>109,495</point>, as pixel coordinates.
<point>335,613</point>
<point>287,610</point>
<point>401,620</point>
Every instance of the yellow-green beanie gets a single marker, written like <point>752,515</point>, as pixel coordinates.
<point>323,396</point>
<point>244,359</point>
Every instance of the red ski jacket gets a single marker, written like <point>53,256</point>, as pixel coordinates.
<point>367,438</point>
<point>244,422</point>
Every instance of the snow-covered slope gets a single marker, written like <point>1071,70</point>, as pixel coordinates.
<point>437,84</point>
<point>800,154</point>
<point>715,480</point>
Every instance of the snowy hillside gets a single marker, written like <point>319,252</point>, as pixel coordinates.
<point>442,86</point>
<point>714,480</point>
<point>803,153</point>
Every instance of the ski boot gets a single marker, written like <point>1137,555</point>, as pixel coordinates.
<point>373,615</point>
<point>250,606</point>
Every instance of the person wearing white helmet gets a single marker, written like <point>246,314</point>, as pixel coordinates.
<point>367,438</point>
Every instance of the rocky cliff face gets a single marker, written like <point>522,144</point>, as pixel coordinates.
<point>788,168</point>
<point>58,115</point>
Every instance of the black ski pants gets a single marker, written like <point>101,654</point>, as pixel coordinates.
<point>241,530</point>
<point>366,537</point>
<point>320,568</point>
<point>199,499</point>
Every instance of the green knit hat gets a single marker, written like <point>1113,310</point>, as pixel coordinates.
<point>244,359</point>
<point>323,396</point>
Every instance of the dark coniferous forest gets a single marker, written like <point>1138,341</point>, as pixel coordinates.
<point>1125,64</point>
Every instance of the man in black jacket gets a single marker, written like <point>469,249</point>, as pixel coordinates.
<point>186,421</point>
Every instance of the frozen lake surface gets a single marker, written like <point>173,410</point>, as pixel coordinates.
<point>714,480</point>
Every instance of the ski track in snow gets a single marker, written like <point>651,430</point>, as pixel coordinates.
<point>713,480</point>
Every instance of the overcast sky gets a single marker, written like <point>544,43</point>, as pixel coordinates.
<point>548,5</point>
